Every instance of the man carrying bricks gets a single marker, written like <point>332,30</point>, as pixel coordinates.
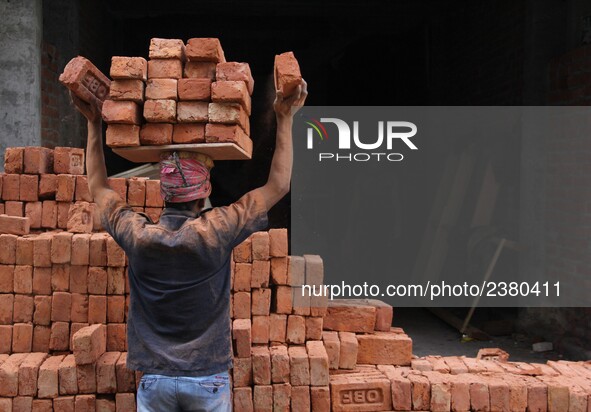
<point>179,331</point>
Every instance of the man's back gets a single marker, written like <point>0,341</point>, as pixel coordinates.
<point>179,278</point>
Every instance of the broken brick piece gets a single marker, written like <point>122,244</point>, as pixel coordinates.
<point>287,73</point>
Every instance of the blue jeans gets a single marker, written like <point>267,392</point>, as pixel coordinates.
<point>158,393</point>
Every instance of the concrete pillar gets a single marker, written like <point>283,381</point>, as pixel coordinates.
<point>20,73</point>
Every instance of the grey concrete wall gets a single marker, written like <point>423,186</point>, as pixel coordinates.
<point>20,73</point>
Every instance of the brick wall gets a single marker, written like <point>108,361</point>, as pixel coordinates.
<point>50,113</point>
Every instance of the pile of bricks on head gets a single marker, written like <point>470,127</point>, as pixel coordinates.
<point>182,94</point>
<point>63,311</point>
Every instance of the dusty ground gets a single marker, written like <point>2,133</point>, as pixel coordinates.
<point>432,336</point>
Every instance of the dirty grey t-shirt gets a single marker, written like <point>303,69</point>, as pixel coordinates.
<point>179,280</point>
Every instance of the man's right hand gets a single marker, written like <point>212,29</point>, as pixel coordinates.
<point>288,106</point>
<point>88,110</point>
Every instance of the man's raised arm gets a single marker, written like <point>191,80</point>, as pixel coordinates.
<point>95,158</point>
<point>278,183</point>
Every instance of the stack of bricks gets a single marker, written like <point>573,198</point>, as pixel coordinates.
<point>184,94</point>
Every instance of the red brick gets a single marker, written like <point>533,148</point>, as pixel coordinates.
<point>125,377</point>
<point>158,89</point>
<point>14,160</point>
<point>78,279</point>
<point>85,80</point>
<point>116,337</point>
<point>165,69</point>
<point>49,214</point>
<point>242,305</point>
<point>229,113</point>
<point>28,373</point>
<point>166,49</point>
<point>38,160</point>
<point>61,247</point>
<point>75,327</point>
<point>281,397</point>
<point>8,279</point>
<point>60,336</point>
<point>184,133</point>
<point>277,327</point>
<point>299,366</point>
<point>283,301</point>
<point>261,365</point>
<point>86,377</point>
<point>231,92</point>
<point>332,345</point>
<point>279,364</point>
<point>60,277</point>
<point>287,73</point>
<point>122,111</point>
<point>106,378</point>
<point>47,186</point>
<point>48,382</point>
<point>241,334</point>
<point>224,133</point>
<point>97,309</point>
<point>80,249</point>
<point>29,188</point>
<point>22,337</point>
<point>79,308</point>
<point>204,49</point>
<point>242,276</point>
<point>384,348</point>
<point>22,403</point>
<point>153,196</point>
<point>105,405</point>
<point>5,338</point>
<point>129,68</point>
<point>296,329</point>
<point>159,111</point>
<point>98,249</point>
<point>365,394</point>
<point>320,398</point>
<point>9,372</point>
<point>63,210</point>
<point>349,348</point>
<point>234,71</point>
<point>123,135</point>
<point>116,280</point>
<point>260,329</point>
<point>42,313</point>
<point>8,249</point>
<point>261,301</point>
<point>14,225</point>
<point>263,398</point>
<point>279,270</point>
<point>300,398</point>
<point>127,89</point>
<point>41,338</point>
<point>64,404</point>
<point>260,245</point>
<point>346,317</point>
<point>192,112</point>
<point>68,160</point>
<point>34,212</point>
<point>61,307</point>
<point>136,191</point>
<point>156,133</point>
<point>115,255</point>
<point>13,208</point>
<point>242,400</point>
<point>6,308</point>
<point>203,70</point>
<point>42,405</point>
<point>82,192</point>
<point>42,251</point>
<point>243,252</point>
<point>79,218</point>
<point>194,89</point>
<point>11,187</point>
<point>314,328</point>
<point>125,402</point>
<point>402,391</point>
<point>318,363</point>
<point>89,343</point>
<point>66,185</point>
<point>115,309</point>
<point>23,308</point>
<point>260,274</point>
<point>42,280</point>
<point>242,372</point>
<point>24,251</point>
<point>68,383</point>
